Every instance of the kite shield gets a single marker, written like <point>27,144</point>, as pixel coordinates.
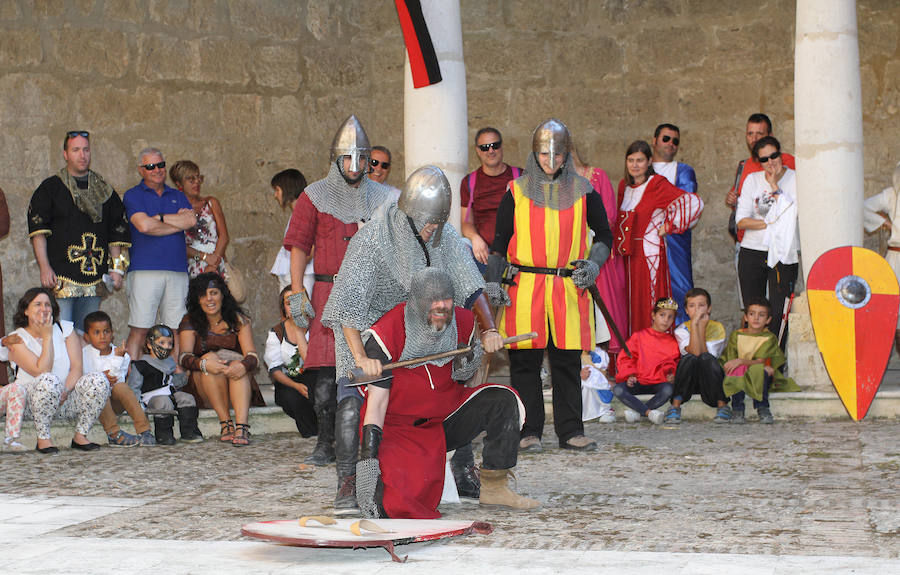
<point>853,302</point>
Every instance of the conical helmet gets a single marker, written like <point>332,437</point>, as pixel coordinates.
<point>351,140</point>
<point>426,199</point>
<point>551,137</point>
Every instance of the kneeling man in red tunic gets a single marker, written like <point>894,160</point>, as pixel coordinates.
<point>414,416</point>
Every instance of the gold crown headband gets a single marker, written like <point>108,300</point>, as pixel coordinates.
<point>667,303</point>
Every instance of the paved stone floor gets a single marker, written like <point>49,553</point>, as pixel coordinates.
<point>796,488</point>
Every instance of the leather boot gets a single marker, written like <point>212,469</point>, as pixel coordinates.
<point>324,396</point>
<point>347,452</point>
<point>495,491</point>
<point>187,424</point>
<point>465,474</point>
<point>164,427</point>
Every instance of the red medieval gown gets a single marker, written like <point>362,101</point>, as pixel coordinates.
<point>642,212</point>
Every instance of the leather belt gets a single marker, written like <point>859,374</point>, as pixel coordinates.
<point>561,272</point>
<point>328,278</point>
<point>893,249</point>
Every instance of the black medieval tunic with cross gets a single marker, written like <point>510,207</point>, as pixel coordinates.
<point>77,247</point>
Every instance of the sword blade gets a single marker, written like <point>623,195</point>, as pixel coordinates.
<point>595,294</point>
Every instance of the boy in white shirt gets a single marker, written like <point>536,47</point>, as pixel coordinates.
<point>101,356</point>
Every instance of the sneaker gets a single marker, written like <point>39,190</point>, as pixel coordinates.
<point>122,439</point>
<point>656,417</point>
<point>673,415</point>
<point>12,445</point>
<point>631,416</point>
<point>580,443</point>
<point>607,417</point>
<point>723,415</point>
<point>737,417</point>
<point>765,415</point>
<point>530,444</point>
<point>147,439</point>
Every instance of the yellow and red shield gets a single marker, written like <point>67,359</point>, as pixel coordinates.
<point>853,303</point>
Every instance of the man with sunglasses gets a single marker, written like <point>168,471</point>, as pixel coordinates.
<point>666,139</point>
<point>76,222</point>
<point>480,193</point>
<point>158,277</point>
<point>380,168</point>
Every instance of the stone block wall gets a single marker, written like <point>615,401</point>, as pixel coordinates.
<point>246,88</point>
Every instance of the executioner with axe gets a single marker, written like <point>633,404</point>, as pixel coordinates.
<point>413,415</point>
<point>544,225</point>
<point>374,277</point>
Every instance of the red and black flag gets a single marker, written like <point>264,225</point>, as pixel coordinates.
<point>422,60</point>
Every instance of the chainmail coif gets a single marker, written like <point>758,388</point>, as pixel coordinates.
<point>333,195</point>
<point>427,286</point>
<point>558,193</point>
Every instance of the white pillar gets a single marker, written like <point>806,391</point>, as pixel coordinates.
<point>435,125</point>
<point>828,134</point>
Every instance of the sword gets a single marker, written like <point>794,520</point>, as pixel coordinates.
<point>595,294</point>
<point>358,377</point>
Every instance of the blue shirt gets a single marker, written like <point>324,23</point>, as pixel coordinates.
<point>167,253</point>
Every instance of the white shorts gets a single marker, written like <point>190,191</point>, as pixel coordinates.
<point>153,293</point>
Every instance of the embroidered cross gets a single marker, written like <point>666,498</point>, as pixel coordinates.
<point>89,257</point>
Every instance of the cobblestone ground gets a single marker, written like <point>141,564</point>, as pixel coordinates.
<point>797,488</point>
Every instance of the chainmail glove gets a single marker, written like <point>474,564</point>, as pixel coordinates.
<point>496,294</point>
<point>585,273</point>
<point>465,365</point>
<point>301,309</point>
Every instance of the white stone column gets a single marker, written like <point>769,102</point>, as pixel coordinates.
<point>828,144</point>
<point>435,125</point>
<point>828,134</point>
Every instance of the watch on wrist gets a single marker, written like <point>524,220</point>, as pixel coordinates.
<point>161,218</point>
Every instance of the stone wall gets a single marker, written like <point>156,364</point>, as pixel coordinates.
<point>247,88</point>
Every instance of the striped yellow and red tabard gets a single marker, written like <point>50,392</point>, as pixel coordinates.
<point>544,237</point>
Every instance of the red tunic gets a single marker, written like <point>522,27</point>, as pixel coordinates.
<point>309,227</point>
<point>412,457</point>
<point>654,355</point>
<point>636,237</point>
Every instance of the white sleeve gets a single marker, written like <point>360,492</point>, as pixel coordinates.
<point>123,367</point>
<point>272,355</point>
<point>683,335</point>
<point>67,327</point>
<point>877,207</point>
<point>4,354</point>
<point>716,347</point>
<point>745,200</point>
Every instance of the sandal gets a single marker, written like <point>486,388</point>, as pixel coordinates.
<point>227,433</point>
<point>241,435</point>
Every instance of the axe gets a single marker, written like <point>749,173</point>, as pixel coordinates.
<point>357,377</point>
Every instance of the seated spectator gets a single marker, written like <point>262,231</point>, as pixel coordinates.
<point>285,355</point>
<point>101,356</point>
<point>206,242</point>
<point>751,361</point>
<point>596,395</point>
<point>651,367</point>
<point>219,352</point>
<point>12,401</point>
<point>701,341</point>
<point>154,377</point>
<point>287,185</point>
<point>51,374</point>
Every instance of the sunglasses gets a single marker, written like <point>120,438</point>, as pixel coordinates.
<point>375,163</point>
<point>666,139</point>
<point>76,133</point>
<point>765,159</point>
<point>151,167</point>
<point>491,146</point>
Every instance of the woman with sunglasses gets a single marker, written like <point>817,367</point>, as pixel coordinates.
<point>207,241</point>
<point>767,212</point>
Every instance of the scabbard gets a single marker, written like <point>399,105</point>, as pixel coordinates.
<point>595,294</point>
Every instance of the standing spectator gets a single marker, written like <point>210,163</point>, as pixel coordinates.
<point>480,193</point>
<point>4,231</point>
<point>206,242</point>
<point>158,280</point>
<point>76,223</point>
<point>666,139</point>
<point>556,258</point>
<point>883,211</point>
<point>381,164</point>
<point>48,362</point>
<point>649,209</point>
<point>767,212</point>
<point>287,185</point>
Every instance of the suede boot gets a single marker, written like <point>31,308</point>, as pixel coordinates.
<point>347,452</point>
<point>324,397</point>
<point>495,491</point>
<point>187,424</point>
<point>164,426</point>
